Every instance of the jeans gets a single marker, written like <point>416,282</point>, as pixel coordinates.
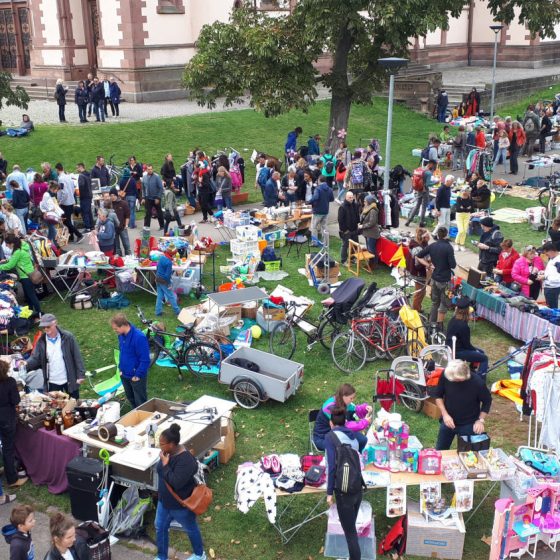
<point>64,388</point>
<point>150,203</point>
<point>122,236</point>
<point>61,116</point>
<point>90,108</point>
<point>87,216</point>
<point>106,102</point>
<point>318,225</point>
<point>502,153</point>
<point>30,295</point>
<point>341,191</point>
<point>136,391</point>
<point>166,293</point>
<point>117,112</point>
<point>171,218</point>
<point>132,205</point>
<point>7,437</point>
<point>551,296</point>
<point>422,201</point>
<point>447,435</point>
<point>348,506</point>
<point>458,158</point>
<point>21,213</point>
<point>440,301</point>
<point>100,111</point>
<point>226,202</point>
<point>371,244</point>
<point>487,267</point>
<point>82,113</point>
<point>68,210</point>
<point>186,518</point>
<point>462,219</point>
<point>319,441</point>
<point>344,248</point>
<point>472,356</point>
<point>51,232</point>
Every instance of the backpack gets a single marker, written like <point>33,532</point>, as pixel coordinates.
<point>425,154</point>
<point>348,470</point>
<point>116,302</point>
<point>529,125</point>
<point>357,173</point>
<point>418,179</point>
<point>340,171</point>
<point>264,176</point>
<point>329,165</point>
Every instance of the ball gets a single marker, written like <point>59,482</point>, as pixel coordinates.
<point>256,331</point>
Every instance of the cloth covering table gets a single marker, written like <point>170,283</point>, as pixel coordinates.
<point>387,251</point>
<point>45,455</point>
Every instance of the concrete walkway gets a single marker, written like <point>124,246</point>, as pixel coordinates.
<point>483,74</point>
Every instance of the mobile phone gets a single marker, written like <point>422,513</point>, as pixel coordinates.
<point>474,241</point>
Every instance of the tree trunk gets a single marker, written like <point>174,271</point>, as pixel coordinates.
<point>340,89</point>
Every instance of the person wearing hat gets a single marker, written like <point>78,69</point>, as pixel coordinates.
<point>369,226</point>
<point>164,271</point>
<point>122,210</point>
<point>58,355</point>
<point>489,245</point>
<point>129,187</point>
<point>459,337</point>
<point>551,275</point>
<point>443,203</point>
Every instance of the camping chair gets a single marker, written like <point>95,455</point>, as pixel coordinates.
<point>359,254</point>
<point>113,384</point>
<point>311,417</point>
<point>298,238</point>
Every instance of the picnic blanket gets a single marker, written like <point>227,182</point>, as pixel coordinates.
<point>510,215</point>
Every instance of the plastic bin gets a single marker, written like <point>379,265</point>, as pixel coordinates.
<point>228,286</point>
<point>242,249</point>
<point>363,521</point>
<point>272,265</point>
<point>504,471</point>
<point>248,233</point>
<point>336,547</point>
<point>183,284</point>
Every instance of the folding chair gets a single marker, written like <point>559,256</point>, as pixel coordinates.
<point>298,238</point>
<point>311,417</point>
<point>360,255</point>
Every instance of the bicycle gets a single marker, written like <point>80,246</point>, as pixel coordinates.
<point>115,171</point>
<point>549,198</point>
<point>200,354</point>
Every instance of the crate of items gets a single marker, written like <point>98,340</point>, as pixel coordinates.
<point>270,266</point>
<point>236,219</point>
<point>248,233</point>
<point>499,465</point>
<point>241,249</point>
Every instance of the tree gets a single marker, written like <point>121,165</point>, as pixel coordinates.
<point>271,59</point>
<point>17,97</point>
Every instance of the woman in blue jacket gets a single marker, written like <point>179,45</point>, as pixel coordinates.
<point>105,233</point>
<point>115,94</point>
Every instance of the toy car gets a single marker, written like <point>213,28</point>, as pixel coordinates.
<point>542,462</point>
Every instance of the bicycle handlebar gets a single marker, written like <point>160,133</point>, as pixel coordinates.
<point>142,317</point>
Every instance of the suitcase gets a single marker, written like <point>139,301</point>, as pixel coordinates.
<point>84,477</point>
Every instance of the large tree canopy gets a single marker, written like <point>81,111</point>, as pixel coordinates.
<point>17,97</point>
<point>271,59</point>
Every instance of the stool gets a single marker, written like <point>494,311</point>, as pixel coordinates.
<point>356,251</point>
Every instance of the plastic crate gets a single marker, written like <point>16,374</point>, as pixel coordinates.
<point>336,547</point>
<point>504,470</point>
<point>243,248</point>
<point>233,221</point>
<point>272,265</point>
<point>212,460</point>
<point>248,233</point>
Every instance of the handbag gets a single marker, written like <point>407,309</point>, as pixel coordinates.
<point>200,499</point>
<point>473,443</point>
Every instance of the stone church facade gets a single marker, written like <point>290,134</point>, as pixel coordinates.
<point>145,44</point>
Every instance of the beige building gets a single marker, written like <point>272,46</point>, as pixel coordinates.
<point>146,43</point>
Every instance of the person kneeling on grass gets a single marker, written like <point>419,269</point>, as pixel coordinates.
<point>164,272</point>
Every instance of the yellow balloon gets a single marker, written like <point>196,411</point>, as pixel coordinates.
<point>256,332</point>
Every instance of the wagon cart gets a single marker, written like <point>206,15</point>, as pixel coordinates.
<point>255,376</point>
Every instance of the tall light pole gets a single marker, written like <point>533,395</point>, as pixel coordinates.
<point>392,65</point>
<point>496,29</point>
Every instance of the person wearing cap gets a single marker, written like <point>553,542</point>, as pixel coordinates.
<point>369,226</point>
<point>443,203</point>
<point>526,270</point>
<point>506,260</point>
<point>164,271</point>
<point>134,359</point>
<point>122,210</point>
<point>58,355</point>
<point>551,275</point>
<point>459,337</point>
<point>489,245</point>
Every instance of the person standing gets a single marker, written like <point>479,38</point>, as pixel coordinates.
<point>517,140</point>
<point>320,202</point>
<point>355,173</point>
<point>107,96</point>
<point>167,171</point>
<point>463,211</point>
<point>442,260</point>
<point>442,102</point>
<point>97,96</point>
<point>329,167</point>
<point>526,270</point>
<point>9,401</point>
<point>223,188</point>
<point>3,167</point>
<point>22,519</point>
<point>464,402</point>
<point>348,220</point>
<point>176,481</point>
<point>100,171</point>
<point>89,86</point>
<point>459,144</point>
<point>531,126</point>
<point>19,177</point>
<point>106,232</point>
<point>506,260</point>
<point>551,275</point>
<point>134,359</point>
<point>369,226</point>
<point>443,203</point>
<point>417,269</point>
<point>64,543</point>
<point>347,503</point>
<point>81,98</point>
<point>164,271</point>
<point>115,94</point>
<point>20,202</point>
<point>60,95</point>
<point>170,212</point>
<point>51,210</point>
<point>58,355</point>
<point>204,189</point>
<point>489,245</point>
<point>67,200</point>
<point>291,140</point>
<point>422,195</point>
<point>152,193</point>
<point>545,129</point>
<point>501,152</point>
<point>128,185</point>
<point>122,211</point>
<point>86,196</point>
<point>37,189</point>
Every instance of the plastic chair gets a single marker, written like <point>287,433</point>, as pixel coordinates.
<point>311,417</point>
<point>113,384</point>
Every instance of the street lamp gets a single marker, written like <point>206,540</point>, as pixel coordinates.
<point>392,65</point>
<point>496,29</point>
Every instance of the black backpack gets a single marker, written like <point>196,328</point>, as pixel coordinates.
<point>425,154</point>
<point>329,166</point>
<point>348,471</point>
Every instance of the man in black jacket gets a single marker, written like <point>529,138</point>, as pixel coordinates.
<point>57,353</point>
<point>100,171</point>
<point>489,245</point>
<point>97,96</point>
<point>86,196</point>
<point>442,261</point>
<point>348,220</point>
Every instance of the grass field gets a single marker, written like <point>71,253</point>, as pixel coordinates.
<point>273,427</point>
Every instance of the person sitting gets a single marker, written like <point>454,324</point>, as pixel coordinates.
<point>26,123</point>
<point>480,193</point>
<point>526,270</point>
<point>357,417</point>
<point>506,260</point>
<point>458,328</point>
<point>464,402</point>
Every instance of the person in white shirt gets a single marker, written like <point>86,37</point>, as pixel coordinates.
<point>51,210</point>
<point>58,355</point>
<point>551,275</point>
<point>17,175</point>
<point>67,200</point>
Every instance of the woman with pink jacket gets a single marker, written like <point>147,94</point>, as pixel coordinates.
<point>525,270</point>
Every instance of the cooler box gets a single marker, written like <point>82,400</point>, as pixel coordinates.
<point>84,476</point>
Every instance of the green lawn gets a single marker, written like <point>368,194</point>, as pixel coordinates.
<point>274,427</point>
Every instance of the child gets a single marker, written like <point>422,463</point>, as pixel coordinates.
<point>170,213</point>
<point>503,145</point>
<point>18,534</point>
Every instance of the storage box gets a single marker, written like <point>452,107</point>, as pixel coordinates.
<point>248,233</point>
<point>249,310</point>
<point>136,419</point>
<point>500,466</point>
<point>336,547</point>
<point>273,314</point>
<point>364,521</point>
<point>226,448</point>
<point>431,539</point>
<point>430,409</point>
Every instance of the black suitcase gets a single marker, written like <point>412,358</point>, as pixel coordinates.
<point>84,477</point>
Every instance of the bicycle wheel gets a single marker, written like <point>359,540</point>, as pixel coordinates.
<point>395,340</point>
<point>372,337</point>
<point>202,358</point>
<point>412,396</point>
<point>544,197</point>
<point>348,352</point>
<point>282,341</point>
<point>327,331</point>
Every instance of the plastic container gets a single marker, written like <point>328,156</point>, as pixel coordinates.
<point>248,233</point>
<point>453,469</point>
<point>363,521</point>
<point>336,547</point>
<point>228,286</point>
<point>242,249</point>
<point>272,265</point>
<point>499,465</point>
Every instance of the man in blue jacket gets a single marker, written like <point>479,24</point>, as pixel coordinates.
<point>164,271</point>
<point>322,197</point>
<point>134,359</point>
<point>271,189</point>
<point>291,140</point>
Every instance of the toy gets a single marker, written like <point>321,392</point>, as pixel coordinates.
<point>381,456</point>
<point>545,463</point>
<point>429,461</point>
<point>410,459</point>
<point>257,331</point>
<point>396,500</point>
<point>464,492</point>
<point>474,466</point>
<point>498,464</point>
<point>453,469</point>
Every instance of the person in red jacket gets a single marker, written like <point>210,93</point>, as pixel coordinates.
<point>480,138</point>
<point>507,258</point>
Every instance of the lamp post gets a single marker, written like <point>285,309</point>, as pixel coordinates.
<point>496,29</point>
<point>392,65</point>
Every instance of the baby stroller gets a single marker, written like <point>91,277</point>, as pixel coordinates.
<point>416,375</point>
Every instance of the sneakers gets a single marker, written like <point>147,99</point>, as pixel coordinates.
<point>197,556</point>
<point>9,498</point>
<point>456,247</point>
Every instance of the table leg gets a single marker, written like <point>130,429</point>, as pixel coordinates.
<point>481,502</point>
<point>287,534</point>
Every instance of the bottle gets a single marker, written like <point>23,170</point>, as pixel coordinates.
<point>151,433</point>
<point>59,423</point>
<point>48,422</point>
<point>68,419</point>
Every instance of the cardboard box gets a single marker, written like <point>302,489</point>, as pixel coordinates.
<point>226,448</point>
<point>430,409</point>
<point>226,426</point>
<point>136,418</point>
<point>431,539</point>
<point>273,314</point>
<point>231,311</point>
<point>334,271</point>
